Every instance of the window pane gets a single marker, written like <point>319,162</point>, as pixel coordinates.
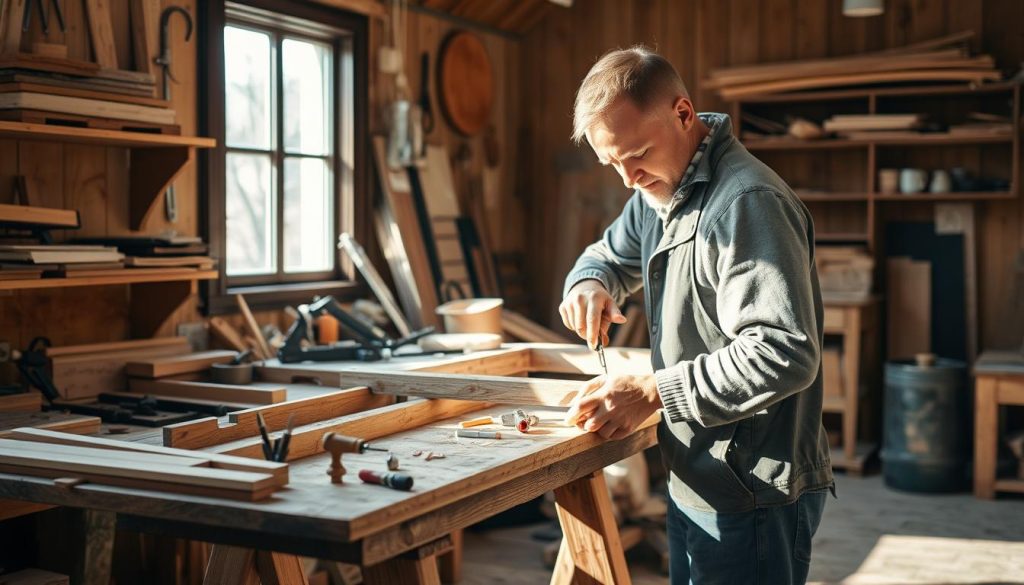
<point>307,97</point>
<point>250,212</point>
<point>247,88</point>
<point>308,215</point>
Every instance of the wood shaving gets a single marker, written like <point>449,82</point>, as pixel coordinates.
<point>432,455</point>
<point>417,453</point>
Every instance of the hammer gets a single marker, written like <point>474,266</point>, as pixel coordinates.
<point>336,444</point>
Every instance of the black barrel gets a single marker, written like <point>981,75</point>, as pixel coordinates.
<point>926,436</point>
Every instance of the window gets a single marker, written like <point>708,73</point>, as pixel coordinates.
<point>286,100</point>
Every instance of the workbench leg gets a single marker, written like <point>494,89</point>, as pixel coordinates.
<point>449,564</point>
<point>416,567</point>
<point>78,543</point>
<point>591,549</point>
<point>231,565</point>
<point>280,569</point>
<point>986,433</point>
<point>402,570</point>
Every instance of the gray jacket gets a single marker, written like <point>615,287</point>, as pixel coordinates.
<point>735,317</point>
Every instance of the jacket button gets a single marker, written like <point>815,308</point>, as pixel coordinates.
<point>654,328</point>
<point>655,275</point>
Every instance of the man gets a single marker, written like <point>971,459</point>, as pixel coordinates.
<point>724,251</point>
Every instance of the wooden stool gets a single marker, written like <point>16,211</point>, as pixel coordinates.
<point>999,381</point>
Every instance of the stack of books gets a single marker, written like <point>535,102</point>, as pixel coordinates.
<point>18,261</point>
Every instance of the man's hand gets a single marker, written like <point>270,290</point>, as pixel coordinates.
<point>614,406</point>
<point>589,310</point>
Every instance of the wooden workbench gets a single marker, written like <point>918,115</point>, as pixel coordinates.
<point>395,535</point>
<point>999,381</point>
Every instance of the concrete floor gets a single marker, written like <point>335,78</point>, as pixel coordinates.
<point>870,535</point>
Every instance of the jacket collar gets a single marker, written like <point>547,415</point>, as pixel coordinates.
<point>721,136</point>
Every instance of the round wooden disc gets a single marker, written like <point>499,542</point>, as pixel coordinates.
<point>466,82</point>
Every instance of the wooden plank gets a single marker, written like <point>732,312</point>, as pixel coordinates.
<point>179,364</point>
<point>986,433</point>
<point>909,306</point>
<point>180,343</point>
<point>208,432</point>
<point>524,329</point>
<point>498,389</point>
<point>591,551</point>
<point>276,568</point>
<point>14,508</point>
<point>231,565</point>
<point>101,33</point>
<point>10,26</point>
<point>223,331</point>
<point>64,459</point>
<point>380,422</point>
<point>22,402</point>
<point>278,470</point>
<point>54,421</point>
<point>254,394</point>
<point>577,359</point>
<point>25,214</point>
<point>254,329</point>
<point>145,15</point>
<point>88,374</point>
<point>965,75</point>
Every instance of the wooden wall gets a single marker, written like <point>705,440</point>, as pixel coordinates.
<point>571,199</point>
<point>95,180</point>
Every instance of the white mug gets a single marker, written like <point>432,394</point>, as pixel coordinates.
<point>941,182</point>
<point>913,180</point>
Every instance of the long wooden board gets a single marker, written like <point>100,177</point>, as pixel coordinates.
<point>147,471</point>
<point>498,389</point>
<point>42,216</point>
<point>255,394</point>
<point>101,33</point>
<point>177,342</point>
<point>88,374</point>
<point>57,421</point>
<point>179,364</point>
<point>207,432</point>
<point>278,470</point>
<point>380,422</point>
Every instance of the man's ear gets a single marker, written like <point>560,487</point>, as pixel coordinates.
<point>683,108</point>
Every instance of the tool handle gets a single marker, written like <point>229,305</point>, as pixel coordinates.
<point>395,481</point>
<point>483,420</point>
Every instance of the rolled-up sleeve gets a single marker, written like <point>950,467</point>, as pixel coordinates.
<point>758,259</point>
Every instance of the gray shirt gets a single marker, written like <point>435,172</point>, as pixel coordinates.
<point>735,316</point>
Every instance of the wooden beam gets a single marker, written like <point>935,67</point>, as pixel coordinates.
<point>380,422</point>
<point>101,32</point>
<point>253,394</point>
<point>278,470</point>
<point>162,367</point>
<point>145,15</point>
<point>591,551</point>
<point>242,424</point>
<point>497,389</point>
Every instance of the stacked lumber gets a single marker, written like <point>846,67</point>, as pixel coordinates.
<point>844,272</point>
<point>164,251</point>
<point>844,124</point>
<point>21,261</point>
<point>85,371</point>
<point>75,459</point>
<point>940,60</point>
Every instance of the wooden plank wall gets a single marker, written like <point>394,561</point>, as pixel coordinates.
<point>571,199</point>
<point>95,180</point>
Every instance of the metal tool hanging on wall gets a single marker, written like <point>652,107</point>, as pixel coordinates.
<point>164,61</point>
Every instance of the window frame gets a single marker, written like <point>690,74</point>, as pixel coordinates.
<point>351,204</point>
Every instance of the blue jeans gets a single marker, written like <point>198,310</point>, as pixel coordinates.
<point>766,546</point>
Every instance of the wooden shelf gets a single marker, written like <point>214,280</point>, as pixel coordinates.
<point>45,132</point>
<point>1010,485</point>
<point>912,92</point>
<point>956,196</point>
<point>827,196</point>
<point>131,276</point>
<point>841,237</point>
<point>156,159</point>
<point>838,143</point>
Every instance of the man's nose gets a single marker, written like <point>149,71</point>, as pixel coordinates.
<point>630,174</point>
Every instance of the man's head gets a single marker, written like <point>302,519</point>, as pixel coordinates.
<point>635,112</point>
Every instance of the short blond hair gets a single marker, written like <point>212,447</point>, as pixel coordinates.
<point>637,72</point>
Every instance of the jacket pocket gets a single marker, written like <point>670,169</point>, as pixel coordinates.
<point>734,458</point>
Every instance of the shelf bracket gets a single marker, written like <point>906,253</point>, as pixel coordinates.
<point>152,171</point>
<point>154,303</point>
